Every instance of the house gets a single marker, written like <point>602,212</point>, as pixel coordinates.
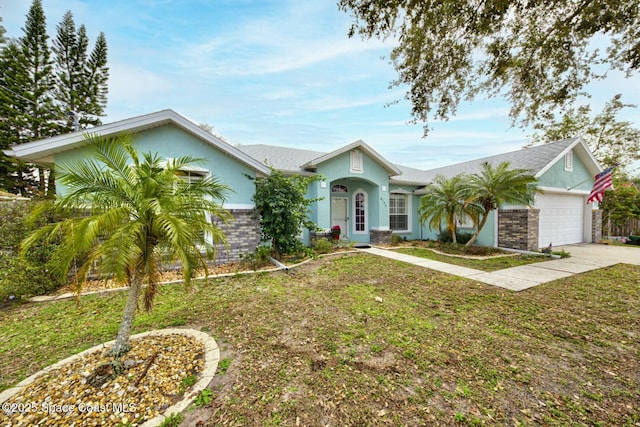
<point>368,196</point>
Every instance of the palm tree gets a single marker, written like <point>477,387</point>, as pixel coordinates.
<point>493,187</point>
<point>132,215</point>
<point>444,202</point>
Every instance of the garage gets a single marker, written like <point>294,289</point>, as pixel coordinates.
<point>562,219</point>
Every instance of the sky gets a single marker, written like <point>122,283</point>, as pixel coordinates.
<point>281,72</point>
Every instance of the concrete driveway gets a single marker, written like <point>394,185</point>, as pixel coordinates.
<point>584,257</point>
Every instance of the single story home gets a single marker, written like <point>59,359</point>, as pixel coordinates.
<point>367,195</point>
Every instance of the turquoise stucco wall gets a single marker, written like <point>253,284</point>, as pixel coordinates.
<point>374,177</point>
<point>578,179</point>
<point>169,142</point>
<point>418,231</point>
<point>486,237</point>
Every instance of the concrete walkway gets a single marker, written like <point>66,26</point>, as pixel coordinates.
<point>584,257</point>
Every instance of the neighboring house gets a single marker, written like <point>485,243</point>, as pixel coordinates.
<point>365,194</point>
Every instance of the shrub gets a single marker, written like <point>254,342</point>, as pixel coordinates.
<point>461,237</point>
<point>283,211</point>
<point>22,277</point>
<point>323,246</point>
<point>396,239</point>
<point>258,258</point>
<point>13,224</point>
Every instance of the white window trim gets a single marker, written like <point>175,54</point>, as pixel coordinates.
<point>199,174</point>
<point>357,162</point>
<point>409,211</point>
<point>366,212</point>
<point>568,161</point>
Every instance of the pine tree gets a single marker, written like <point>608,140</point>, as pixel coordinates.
<point>2,31</point>
<point>42,118</point>
<point>96,78</point>
<point>37,93</point>
<point>15,176</point>
<point>81,81</point>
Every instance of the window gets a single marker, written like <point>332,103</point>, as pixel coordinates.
<point>568,161</point>
<point>360,213</point>
<point>339,189</point>
<point>398,212</point>
<point>356,162</point>
<point>191,176</point>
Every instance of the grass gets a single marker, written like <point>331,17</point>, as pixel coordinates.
<point>353,340</point>
<point>490,264</point>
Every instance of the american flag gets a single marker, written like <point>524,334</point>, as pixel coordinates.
<point>602,182</point>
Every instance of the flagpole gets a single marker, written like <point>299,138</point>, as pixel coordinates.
<point>580,183</point>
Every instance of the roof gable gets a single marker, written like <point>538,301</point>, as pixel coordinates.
<point>42,151</point>
<point>361,145</point>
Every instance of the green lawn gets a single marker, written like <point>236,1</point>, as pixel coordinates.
<point>315,346</point>
<point>495,262</point>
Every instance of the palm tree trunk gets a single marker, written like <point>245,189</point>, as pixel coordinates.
<point>451,227</point>
<point>122,344</point>
<point>483,221</point>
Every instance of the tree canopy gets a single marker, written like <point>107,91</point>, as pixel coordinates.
<point>539,54</point>
<point>613,142</point>
<point>45,89</point>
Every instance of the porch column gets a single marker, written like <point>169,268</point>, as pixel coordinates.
<point>323,207</point>
<point>596,226</point>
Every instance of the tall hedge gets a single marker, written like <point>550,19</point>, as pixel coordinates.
<point>22,277</point>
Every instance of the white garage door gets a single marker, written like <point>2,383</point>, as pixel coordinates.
<point>561,219</point>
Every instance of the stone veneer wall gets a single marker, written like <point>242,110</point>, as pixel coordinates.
<point>518,229</point>
<point>243,235</point>
<point>596,226</point>
<point>377,237</point>
<point>314,236</point>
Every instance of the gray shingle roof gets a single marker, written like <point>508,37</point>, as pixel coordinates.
<point>533,159</point>
<point>282,158</point>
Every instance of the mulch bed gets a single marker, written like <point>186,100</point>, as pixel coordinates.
<point>152,379</point>
<point>167,276</point>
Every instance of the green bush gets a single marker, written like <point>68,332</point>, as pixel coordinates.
<point>258,258</point>
<point>21,277</point>
<point>396,239</point>
<point>13,224</point>
<point>323,246</point>
<point>462,237</point>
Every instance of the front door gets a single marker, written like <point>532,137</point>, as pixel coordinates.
<point>340,215</point>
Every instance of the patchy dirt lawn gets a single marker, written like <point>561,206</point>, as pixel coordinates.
<point>358,340</point>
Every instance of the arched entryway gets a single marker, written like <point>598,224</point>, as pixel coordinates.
<point>351,208</point>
